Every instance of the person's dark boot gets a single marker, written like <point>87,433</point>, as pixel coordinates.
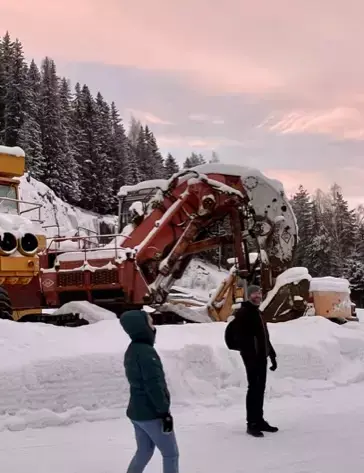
<point>265,427</point>
<point>254,430</point>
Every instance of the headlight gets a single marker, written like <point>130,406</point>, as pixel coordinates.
<point>28,244</point>
<point>8,244</point>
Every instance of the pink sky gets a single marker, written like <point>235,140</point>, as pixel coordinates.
<point>299,63</point>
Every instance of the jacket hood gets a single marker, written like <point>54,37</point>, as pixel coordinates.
<point>135,324</point>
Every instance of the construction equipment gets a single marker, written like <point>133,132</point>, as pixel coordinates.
<point>21,241</point>
<point>162,224</point>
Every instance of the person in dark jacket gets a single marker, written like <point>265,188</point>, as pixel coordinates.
<point>149,404</point>
<point>255,347</point>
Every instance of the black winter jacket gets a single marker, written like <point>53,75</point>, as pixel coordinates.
<point>252,332</point>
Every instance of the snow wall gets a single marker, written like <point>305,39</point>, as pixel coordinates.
<point>56,211</point>
<point>53,376</point>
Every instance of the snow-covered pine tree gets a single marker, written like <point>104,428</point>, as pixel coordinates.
<point>155,160</point>
<point>93,120</point>
<point>214,158</point>
<point>71,171</point>
<point>103,144</point>
<point>134,131</point>
<point>142,156</point>
<point>170,165</point>
<point>53,138</point>
<point>78,135</point>
<point>320,250</point>
<point>343,229</point>
<point>354,272</point>
<point>194,160</point>
<point>83,117</point>
<point>15,95</point>
<point>30,136</point>
<point>119,151</point>
<point>132,173</point>
<point>302,207</point>
<point>5,71</point>
<point>2,88</point>
<point>13,72</point>
<point>359,239</point>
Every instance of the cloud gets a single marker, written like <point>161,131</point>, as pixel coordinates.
<point>301,49</point>
<point>340,122</point>
<point>148,117</point>
<point>275,85</point>
<point>147,35</point>
<point>349,178</point>
<point>196,117</point>
<point>208,143</point>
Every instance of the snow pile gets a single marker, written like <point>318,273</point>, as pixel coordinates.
<point>330,284</point>
<point>18,225</point>
<point>55,212</point>
<point>86,310</point>
<point>51,375</point>
<point>12,151</point>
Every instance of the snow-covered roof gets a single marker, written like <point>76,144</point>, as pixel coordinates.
<point>12,151</point>
<point>330,284</point>
<point>235,170</point>
<point>152,184</point>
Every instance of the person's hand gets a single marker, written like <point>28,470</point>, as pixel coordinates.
<point>274,364</point>
<point>167,423</point>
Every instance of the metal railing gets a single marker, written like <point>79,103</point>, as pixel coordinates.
<point>87,238</point>
<point>37,207</point>
<point>86,251</point>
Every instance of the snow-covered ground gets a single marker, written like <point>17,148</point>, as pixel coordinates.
<point>63,391</point>
<point>56,379</point>
<point>52,376</point>
<point>321,433</point>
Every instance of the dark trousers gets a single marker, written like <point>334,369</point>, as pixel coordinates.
<point>256,371</point>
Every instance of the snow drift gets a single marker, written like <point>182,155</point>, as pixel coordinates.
<point>52,376</point>
<point>55,212</point>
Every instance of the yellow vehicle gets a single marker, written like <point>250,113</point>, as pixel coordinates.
<point>20,241</point>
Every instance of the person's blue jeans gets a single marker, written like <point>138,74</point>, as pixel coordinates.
<point>148,435</point>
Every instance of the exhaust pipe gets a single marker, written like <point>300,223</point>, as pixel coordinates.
<point>28,244</point>
<point>8,244</point>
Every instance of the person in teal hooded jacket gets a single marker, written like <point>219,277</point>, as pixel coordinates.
<point>149,404</point>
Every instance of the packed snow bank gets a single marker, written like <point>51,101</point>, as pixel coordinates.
<point>55,212</point>
<point>54,375</point>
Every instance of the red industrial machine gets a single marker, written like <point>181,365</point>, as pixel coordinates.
<point>162,224</point>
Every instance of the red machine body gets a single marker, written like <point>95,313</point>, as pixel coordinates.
<point>170,222</point>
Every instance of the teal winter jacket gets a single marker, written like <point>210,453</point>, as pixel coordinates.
<point>149,395</point>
